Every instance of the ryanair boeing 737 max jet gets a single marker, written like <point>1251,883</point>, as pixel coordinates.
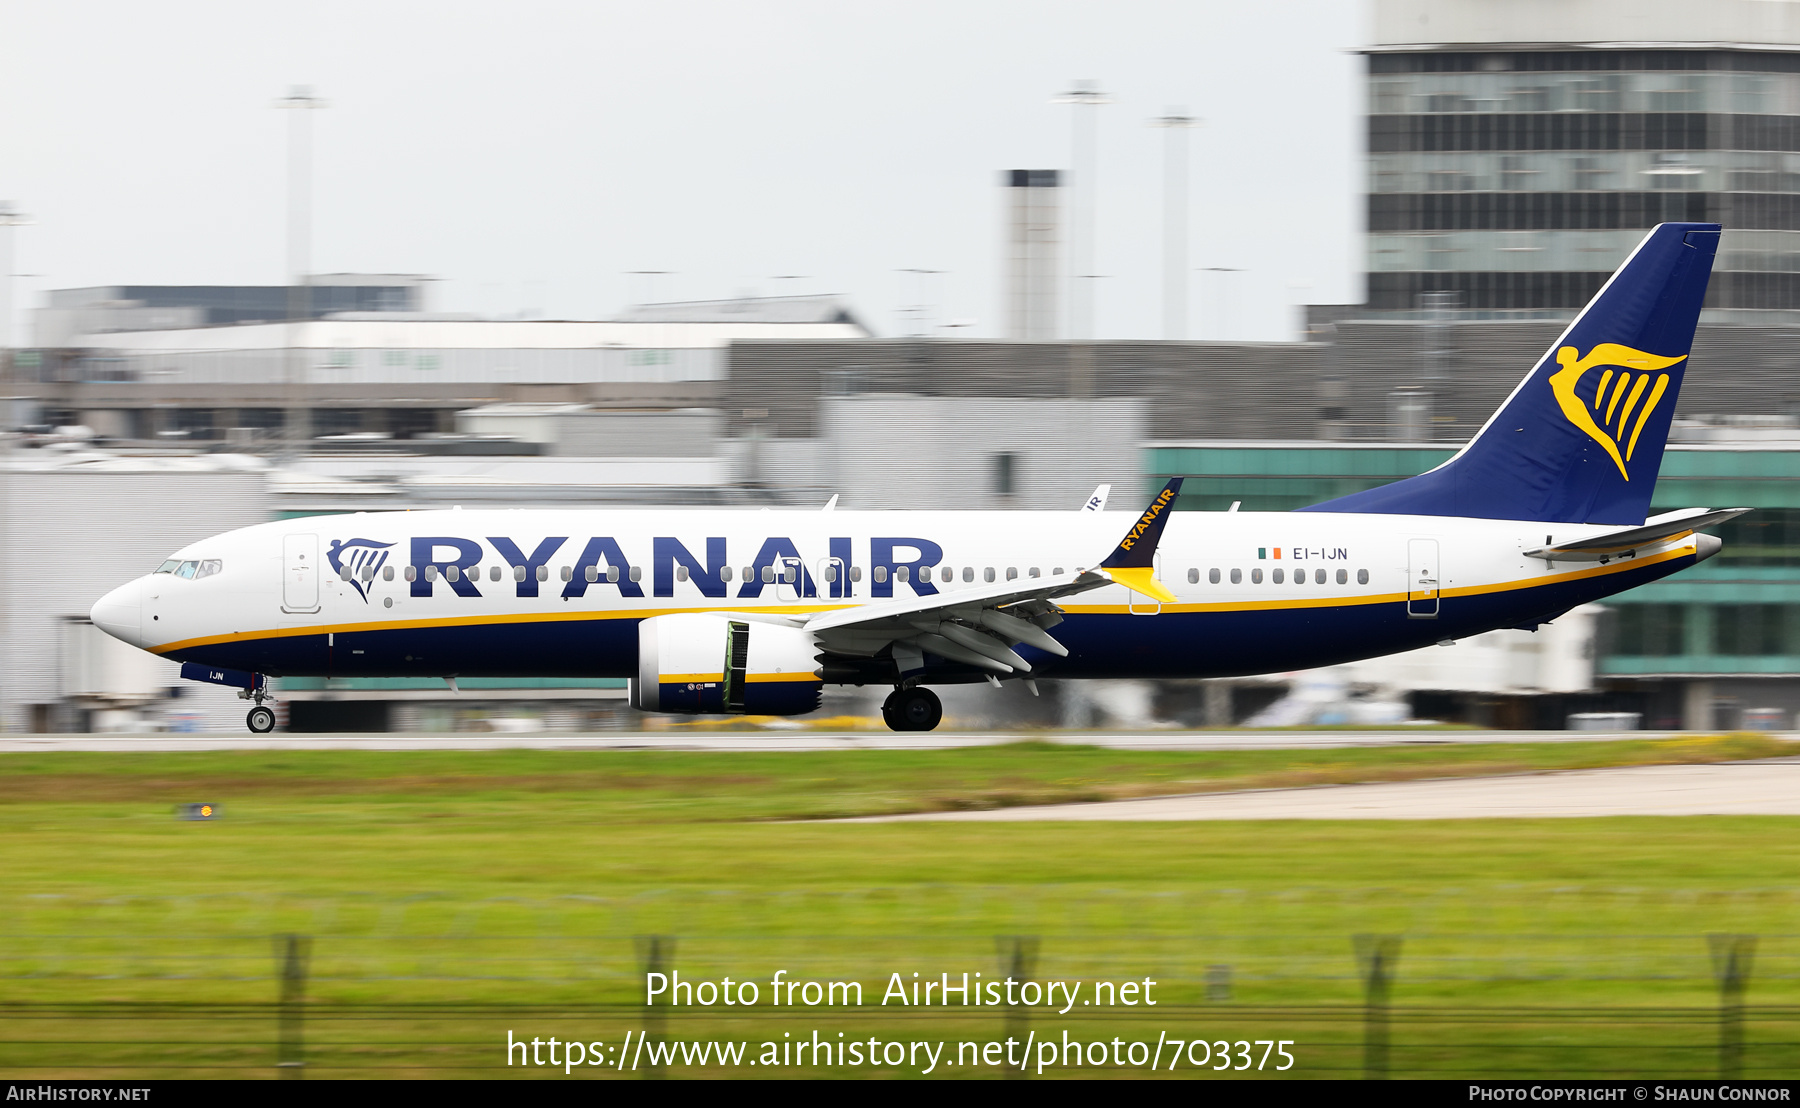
<point>754,611</point>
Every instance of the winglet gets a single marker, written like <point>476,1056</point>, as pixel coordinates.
<point>1133,562</point>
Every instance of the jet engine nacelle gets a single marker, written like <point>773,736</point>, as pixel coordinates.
<point>700,663</point>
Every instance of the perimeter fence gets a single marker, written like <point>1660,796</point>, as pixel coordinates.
<point>1342,982</point>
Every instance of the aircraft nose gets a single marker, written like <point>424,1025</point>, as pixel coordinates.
<point>120,613</point>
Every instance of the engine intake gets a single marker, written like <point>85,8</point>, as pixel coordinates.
<point>696,663</point>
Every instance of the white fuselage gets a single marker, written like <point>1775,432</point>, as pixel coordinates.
<point>1255,592</point>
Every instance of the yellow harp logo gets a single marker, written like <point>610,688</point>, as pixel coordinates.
<point>1608,419</point>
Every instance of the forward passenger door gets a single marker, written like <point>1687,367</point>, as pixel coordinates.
<point>300,573</point>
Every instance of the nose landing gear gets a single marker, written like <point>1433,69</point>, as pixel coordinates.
<point>913,709</point>
<point>260,719</point>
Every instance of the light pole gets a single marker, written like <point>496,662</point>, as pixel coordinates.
<point>921,311</point>
<point>781,289</point>
<point>1218,312</point>
<point>301,103</point>
<point>647,288</point>
<point>1175,125</point>
<point>10,217</point>
<point>1084,98</point>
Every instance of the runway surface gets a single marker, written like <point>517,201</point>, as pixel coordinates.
<point>1770,788</point>
<point>800,741</point>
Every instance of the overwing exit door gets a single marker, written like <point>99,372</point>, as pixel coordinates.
<point>1139,605</point>
<point>1421,579</point>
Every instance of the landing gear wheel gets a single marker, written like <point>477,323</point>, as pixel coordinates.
<point>912,710</point>
<point>261,720</point>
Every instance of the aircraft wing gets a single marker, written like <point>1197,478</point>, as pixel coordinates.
<point>1628,540</point>
<point>980,627</point>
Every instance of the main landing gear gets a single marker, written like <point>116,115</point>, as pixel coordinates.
<point>913,709</point>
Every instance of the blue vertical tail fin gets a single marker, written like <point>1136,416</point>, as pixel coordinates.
<point>1581,439</point>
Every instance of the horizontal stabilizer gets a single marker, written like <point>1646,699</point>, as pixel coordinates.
<point>1613,544</point>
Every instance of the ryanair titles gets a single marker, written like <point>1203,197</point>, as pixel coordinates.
<point>599,562</point>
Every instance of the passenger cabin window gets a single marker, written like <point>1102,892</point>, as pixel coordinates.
<point>592,573</point>
<point>1362,576</point>
<point>1212,576</point>
<point>452,573</point>
<point>1193,577</point>
<point>681,573</point>
<point>1275,577</point>
<point>543,573</point>
<point>968,574</point>
<point>1343,577</point>
<point>880,574</point>
<point>412,573</point>
<point>1012,573</point>
<point>725,573</point>
<point>612,575</point>
<point>493,573</point>
<point>1033,572</point>
<point>901,573</point>
<point>387,574</point>
<point>637,573</point>
<point>1057,571</point>
<point>1237,576</point>
<point>988,574</point>
<point>568,574</point>
<point>1256,577</point>
<point>855,573</point>
<point>768,575</point>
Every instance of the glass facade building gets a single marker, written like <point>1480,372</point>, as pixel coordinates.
<point>1730,626</point>
<point>1512,182</point>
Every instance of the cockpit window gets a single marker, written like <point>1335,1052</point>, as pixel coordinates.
<point>186,570</point>
<point>209,567</point>
<point>169,566</point>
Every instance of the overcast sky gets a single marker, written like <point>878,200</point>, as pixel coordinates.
<point>530,155</point>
